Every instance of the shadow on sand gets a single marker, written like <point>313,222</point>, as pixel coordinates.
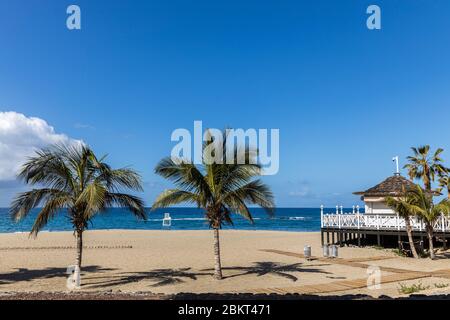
<point>24,274</point>
<point>161,276</point>
<point>442,255</point>
<point>273,268</point>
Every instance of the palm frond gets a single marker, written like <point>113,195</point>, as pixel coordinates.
<point>175,196</point>
<point>134,204</point>
<point>255,192</point>
<point>52,206</point>
<point>237,205</point>
<point>184,174</point>
<point>443,207</point>
<point>26,201</point>
<point>92,199</point>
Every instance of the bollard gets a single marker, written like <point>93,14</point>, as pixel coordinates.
<point>326,251</point>
<point>334,251</point>
<point>307,252</point>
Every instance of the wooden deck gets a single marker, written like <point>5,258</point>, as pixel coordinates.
<point>342,227</point>
<point>341,285</point>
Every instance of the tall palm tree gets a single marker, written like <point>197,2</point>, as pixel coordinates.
<point>444,182</point>
<point>424,166</point>
<point>401,206</point>
<point>220,189</point>
<point>423,206</point>
<point>71,177</point>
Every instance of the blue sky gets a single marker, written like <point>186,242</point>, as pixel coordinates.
<point>346,99</point>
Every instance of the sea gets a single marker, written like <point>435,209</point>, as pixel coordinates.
<point>284,219</point>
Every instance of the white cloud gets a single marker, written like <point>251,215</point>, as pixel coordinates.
<point>20,136</point>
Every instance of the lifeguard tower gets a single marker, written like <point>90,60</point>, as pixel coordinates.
<point>167,221</point>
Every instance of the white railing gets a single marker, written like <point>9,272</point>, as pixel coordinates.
<point>356,220</point>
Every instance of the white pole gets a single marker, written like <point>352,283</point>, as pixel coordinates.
<point>357,209</point>
<point>342,210</point>
<point>337,209</point>
<point>321,216</point>
<point>396,165</point>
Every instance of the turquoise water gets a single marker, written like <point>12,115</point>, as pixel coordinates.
<point>285,219</point>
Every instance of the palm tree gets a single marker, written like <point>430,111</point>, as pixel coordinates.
<point>421,204</point>
<point>217,187</point>
<point>444,182</point>
<point>423,166</point>
<point>71,177</point>
<point>401,206</point>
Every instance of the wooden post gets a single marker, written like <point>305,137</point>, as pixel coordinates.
<point>328,237</point>
<point>378,240</point>
<point>359,239</point>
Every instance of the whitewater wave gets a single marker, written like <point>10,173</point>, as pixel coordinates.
<point>300,218</point>
<point>292,218</point>
<point>180,219</point>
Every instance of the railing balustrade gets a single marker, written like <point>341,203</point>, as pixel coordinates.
<point>378,222</point>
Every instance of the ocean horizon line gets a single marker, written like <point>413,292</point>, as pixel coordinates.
<point>181,218</point>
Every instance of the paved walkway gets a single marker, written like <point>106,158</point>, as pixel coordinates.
<point>344,285</point>
<point>355,262</point>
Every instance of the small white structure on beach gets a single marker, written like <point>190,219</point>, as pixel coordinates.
<point>167,221</point>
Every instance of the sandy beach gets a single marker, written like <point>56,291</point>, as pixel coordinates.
<point>170,262</point>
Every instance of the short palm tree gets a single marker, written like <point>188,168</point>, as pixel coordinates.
<point>219,188</point>
<point>72,178</point>
<point>401,206</point>
<point>424,166</point>
<point>421,204</point>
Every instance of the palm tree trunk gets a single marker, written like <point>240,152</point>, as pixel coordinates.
<point>79,248</point>
<point>410,237</point>
<point>430,241</point>
<point>427,179</point>
<point>217,264</point>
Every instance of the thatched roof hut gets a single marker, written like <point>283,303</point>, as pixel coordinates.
<point>392,186</point>
<point>374,198</point>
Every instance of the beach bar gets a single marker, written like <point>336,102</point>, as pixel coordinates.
<point>378,224</point>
